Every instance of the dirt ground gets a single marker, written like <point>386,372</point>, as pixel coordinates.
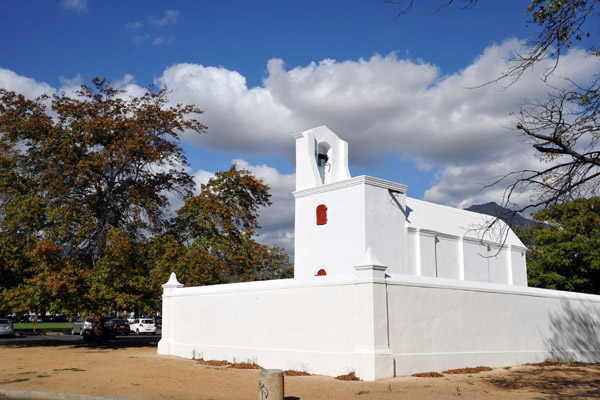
<point>137,372</point>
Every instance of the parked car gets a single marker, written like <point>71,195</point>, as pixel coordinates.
<point>116,327</point>
<point>80,325</point>
<point>55,318</point>
<point>19,317</point>
<point>143,325</point>
<point>6,327</point>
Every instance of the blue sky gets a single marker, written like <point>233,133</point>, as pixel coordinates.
<point>48,40</point>
<point>397,89</point>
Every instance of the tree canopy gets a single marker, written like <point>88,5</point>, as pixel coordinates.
<point>82,176</point>
<point>85,219</point>
<point>213,234</point>
<point>564,247</point>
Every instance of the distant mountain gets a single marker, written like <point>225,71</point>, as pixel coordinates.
<point>505,214</point>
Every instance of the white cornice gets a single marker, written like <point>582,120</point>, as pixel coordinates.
<point>428,232</point>
<point>359,180</point>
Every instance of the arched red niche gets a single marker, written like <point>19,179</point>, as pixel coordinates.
<point>321,214</point>
<point>321,272</point>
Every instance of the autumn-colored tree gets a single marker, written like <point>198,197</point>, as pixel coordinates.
<point>564,247</point>
<point>213,237</point>
<point>84,180</point>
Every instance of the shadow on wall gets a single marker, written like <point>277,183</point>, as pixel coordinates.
<point>575,332</point>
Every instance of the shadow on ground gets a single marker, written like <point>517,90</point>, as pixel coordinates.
<point>52,341</point>
<point>555,382</point>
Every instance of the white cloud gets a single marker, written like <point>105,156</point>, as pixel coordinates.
<point>130,87</point>
<point>468,184</point>
<point>201,177</point>
<point>380,105</point>
<point>28,87</point>
<point>239,119</point>
<point>170,17</point>
<point>70,83</point>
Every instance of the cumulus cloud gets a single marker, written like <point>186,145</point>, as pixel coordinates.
<point>381,105</point>
<point>240,119</point>
<point>463,185</point>
<point>28,87</point>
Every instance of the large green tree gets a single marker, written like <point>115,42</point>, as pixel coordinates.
<point>84,180</point>
<point>564,247</point>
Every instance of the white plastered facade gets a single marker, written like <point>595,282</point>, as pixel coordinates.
<point>409,236</point>
<point>410,286</point>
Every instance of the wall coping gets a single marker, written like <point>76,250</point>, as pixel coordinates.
<point>358,180</point>
<point>390,280</point>
<point>411,230</point>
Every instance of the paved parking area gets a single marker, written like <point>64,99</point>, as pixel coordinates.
<point>56,337</point>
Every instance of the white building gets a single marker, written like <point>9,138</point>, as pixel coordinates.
<point>339,217</point>
<point>384,286</point>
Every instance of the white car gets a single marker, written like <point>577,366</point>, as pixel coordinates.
<point>143,325</point>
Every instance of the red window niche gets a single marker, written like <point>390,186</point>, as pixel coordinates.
<point>321,272</point>
<point>321,214</point>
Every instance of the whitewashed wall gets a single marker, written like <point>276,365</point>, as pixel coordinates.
<point>362,212</point>
<point>334,325</point>
<point>313,326</point>
<point>450,243</point>
<point>441,325</point>
<point>323,246</point>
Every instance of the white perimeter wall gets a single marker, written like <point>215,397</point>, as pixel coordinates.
<point>334,325</point>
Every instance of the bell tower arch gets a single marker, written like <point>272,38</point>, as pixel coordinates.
<point>321,158</point>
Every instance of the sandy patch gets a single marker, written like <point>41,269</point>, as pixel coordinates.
<point>137,372</point>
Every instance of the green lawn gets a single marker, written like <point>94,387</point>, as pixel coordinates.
<point>43,326</point>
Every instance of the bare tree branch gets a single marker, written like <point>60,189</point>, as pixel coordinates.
<point>564,127</point>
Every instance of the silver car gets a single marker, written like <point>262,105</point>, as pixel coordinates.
<point>6,327</point>
<point>80,325</point>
